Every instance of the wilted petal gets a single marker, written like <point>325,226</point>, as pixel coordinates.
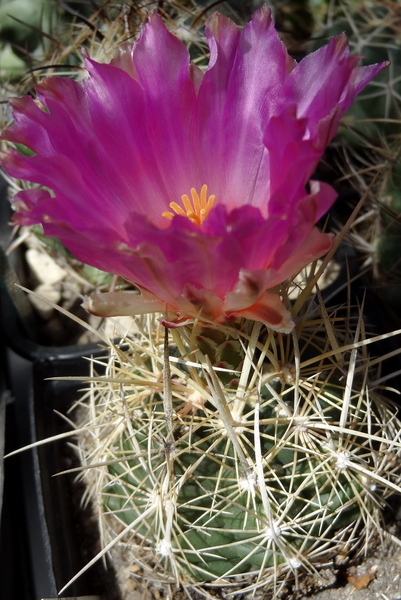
<point>269,310</point>
<point>200,303</point>
<point>250,287</point>
<point>120,304</point>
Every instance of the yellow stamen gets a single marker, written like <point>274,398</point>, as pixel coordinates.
<point>197,211</point>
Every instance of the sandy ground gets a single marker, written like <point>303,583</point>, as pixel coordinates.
<point>383,569</point>
<point>378,577</point>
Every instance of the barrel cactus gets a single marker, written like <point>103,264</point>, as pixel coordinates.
<point>246,476</point>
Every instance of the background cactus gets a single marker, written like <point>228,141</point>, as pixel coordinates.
<point>25,29</point>
<point>373,30</point>
<point>370,141</point>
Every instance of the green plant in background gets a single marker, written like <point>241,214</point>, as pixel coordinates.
<point>24,29</point>
<point>388,244</point>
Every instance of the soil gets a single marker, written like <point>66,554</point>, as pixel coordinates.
<point>377,578</point>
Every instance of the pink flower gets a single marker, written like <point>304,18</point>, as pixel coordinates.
<point>194,186</point>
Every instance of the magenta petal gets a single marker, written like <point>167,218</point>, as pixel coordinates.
<point>124,143</point>
<point>316,96</point>
<point>325,83</point>
<point>27,114</point>
<point>292,158</point>
<point>239,93</point>
<point>363,76</point>
<point>314,246</point>
<point>60,174</point>
<point>30,206</point>
<point>171,258</point>
<point>230,242</point>
<point>113,152</point>
<point>305,243</point>
<point>162,65</point>
<point>313,206</point>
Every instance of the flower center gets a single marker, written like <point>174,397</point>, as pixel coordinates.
<point>197,210</point>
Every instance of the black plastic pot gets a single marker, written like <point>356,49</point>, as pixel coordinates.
<point>46,538</point>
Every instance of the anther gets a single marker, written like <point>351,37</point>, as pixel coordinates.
<point>197,210</point>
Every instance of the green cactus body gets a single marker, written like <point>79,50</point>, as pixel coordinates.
<point>304,478</point>
<point>220,524</point>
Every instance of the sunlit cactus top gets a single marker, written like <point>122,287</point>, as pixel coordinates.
<point>193,185</point>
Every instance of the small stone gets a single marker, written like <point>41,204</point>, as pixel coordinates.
<point>361,582</point>
<point>44,268</point>
<point>326,577</point>
<point>47,292</point>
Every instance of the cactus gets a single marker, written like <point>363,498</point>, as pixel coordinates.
<point>373,29</point>
<point>236,456</point>
<point>242,476</point>
<point>369,140</point>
